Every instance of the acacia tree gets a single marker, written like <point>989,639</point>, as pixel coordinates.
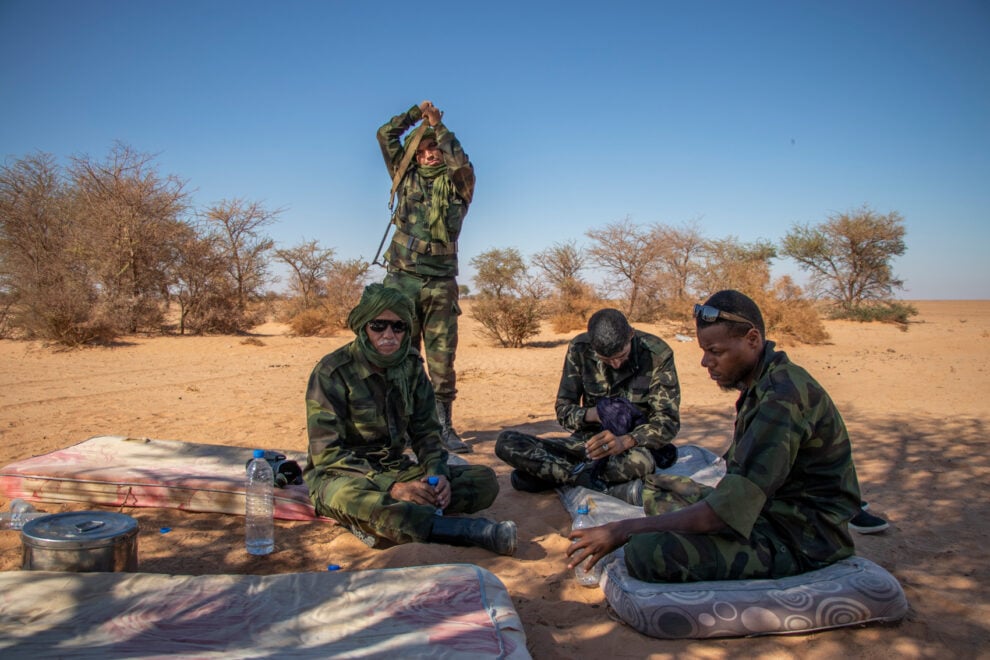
<point>131,220</point>
<point>679,252</point>
<point>509,306</point>
<point>727,263</point>
<point>499,271</point>
<point>848,256</point>
<point>44,283</point>
<point>561,265</point>
<point>238,225</point>
<point>630,255</point>
<point>200,285</point>
<point>310,265</point>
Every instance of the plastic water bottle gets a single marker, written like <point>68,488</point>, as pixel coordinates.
<point>584,577</point>
<point>20,512</point>
<point>433,481</point>
<point>259,512</point>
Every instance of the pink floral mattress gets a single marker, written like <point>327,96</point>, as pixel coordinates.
<point>120,471</point>
<point>443,611</point>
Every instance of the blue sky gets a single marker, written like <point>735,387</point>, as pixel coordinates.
<point>746,117</point>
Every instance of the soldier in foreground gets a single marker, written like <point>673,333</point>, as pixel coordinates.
<point>362,402</point>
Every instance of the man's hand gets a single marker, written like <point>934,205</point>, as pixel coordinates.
<point>421,492</point>
<point>431,113</point>
<point>594,543</point>
<point>606,444</point>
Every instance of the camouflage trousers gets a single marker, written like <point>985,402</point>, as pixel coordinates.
<point>435,324</point>
<point>680,557</point>
<point>372,514</point>
<point>554,459</point>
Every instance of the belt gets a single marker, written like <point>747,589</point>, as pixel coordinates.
<point>423,247</point>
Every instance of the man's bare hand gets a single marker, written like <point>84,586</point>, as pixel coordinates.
<point>431,113</point>
<point>594,543</point>
<point>607,443</point>
<point>418,492</point>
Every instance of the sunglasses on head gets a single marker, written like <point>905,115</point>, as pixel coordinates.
<point>379,325</point>
<point>710,314</point>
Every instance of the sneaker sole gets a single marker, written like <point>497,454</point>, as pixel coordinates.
<point>876,529</point>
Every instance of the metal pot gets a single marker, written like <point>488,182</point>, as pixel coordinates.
<point>80,541</point>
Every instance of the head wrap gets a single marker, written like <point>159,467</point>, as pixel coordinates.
<point>375,299</point>
<point>441,192</point>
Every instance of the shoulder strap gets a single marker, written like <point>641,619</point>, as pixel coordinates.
<point>407,157</point>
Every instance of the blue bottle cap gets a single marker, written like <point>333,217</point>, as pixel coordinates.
<point>333,567</point>
<point>433,481</point>
<point>259,453</point>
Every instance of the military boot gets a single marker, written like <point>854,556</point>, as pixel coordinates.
<point>450,438</point>
<point>628,491</point>
<point>498,537</point>
<point>586,476</point>
<point>528,483</point>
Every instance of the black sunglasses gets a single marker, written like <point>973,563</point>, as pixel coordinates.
<point>710,314</point>
<point>379,325</point>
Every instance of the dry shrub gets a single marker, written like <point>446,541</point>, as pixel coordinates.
<point>565,322</point>
<point>787,312</point>
<point>308,323</point>
<point>509,322</point>
<point>572,307</point>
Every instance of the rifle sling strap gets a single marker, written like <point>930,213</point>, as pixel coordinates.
<point>407,157</point>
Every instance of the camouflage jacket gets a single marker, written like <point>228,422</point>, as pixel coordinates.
<point>412,248</point>
<point>790,461</point>
<point>356,426</point>
<point>647,379</point>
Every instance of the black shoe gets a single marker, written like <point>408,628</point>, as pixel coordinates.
<point>867,523</point>
<point>529,484</point>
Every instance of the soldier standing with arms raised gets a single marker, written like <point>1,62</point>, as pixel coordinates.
<point>434,191</point>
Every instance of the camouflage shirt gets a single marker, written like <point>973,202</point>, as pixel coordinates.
<point>647,379</point>
<point>790,462</point>
<point>355,423</point>
<point>412,248</point>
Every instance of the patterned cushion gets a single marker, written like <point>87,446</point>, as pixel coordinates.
<point>849,592</point>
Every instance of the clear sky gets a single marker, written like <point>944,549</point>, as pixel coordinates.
<point>747,117</point>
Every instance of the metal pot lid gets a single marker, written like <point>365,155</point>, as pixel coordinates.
<point>78,528</point>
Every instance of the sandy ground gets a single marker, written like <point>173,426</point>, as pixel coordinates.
<point>915,404</point>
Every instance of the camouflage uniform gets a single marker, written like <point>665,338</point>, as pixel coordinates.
<point>648,379</point>
<point>357,434</point>
<point>425,269</point>
<point>789,490</point>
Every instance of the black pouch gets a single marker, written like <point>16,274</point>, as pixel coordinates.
<point>665,456</point>
<point>286,472</point>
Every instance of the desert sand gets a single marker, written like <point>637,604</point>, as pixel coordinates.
<point>914,402</point>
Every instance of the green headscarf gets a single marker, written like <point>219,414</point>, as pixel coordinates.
<point>375,299</point>
<point>440,196</point>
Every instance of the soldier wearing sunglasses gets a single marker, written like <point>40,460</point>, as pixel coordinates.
<point>790,490</point>
<point>363,402</point>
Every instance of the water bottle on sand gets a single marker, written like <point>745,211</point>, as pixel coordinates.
<point>584,577</point>
<point>259,513</point>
